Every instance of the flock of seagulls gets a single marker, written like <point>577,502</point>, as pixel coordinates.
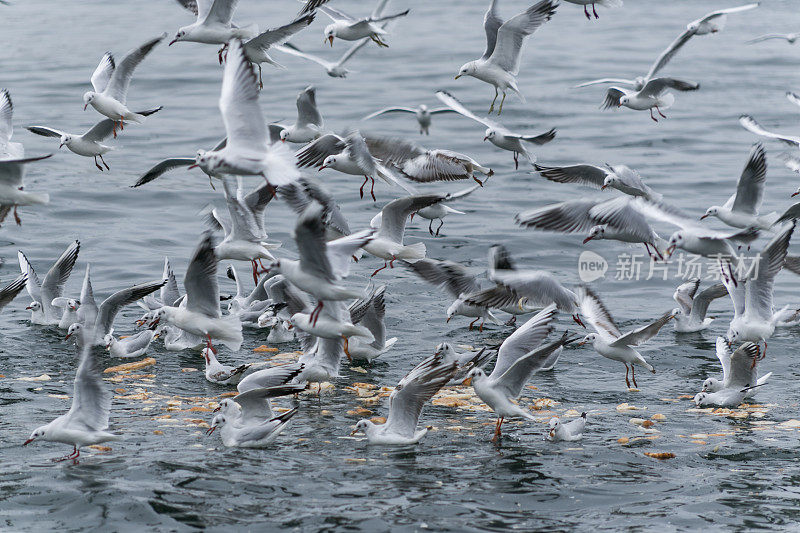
<point>307,301</point>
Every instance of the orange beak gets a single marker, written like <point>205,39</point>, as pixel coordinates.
<point>603,187</point>
<point>210,430</point>
<point>467,382</point>
<point>330,39</point>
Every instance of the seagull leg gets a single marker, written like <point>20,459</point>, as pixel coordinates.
<point>501,103</point>
<point>516,161</point>
<point>595,11</point>
<point>586,12</point>
<point>121,125</point>
<point>430,227</point>
<point>115,129</point>
<point>651,115</point>
<point>391,263</point>
<point>97,165</point>
<point>385,264</point>
<point>372,189</point>
<point>104,162</point>
<point>497,431</point>
<point>480,328</point>
<point>471,324</point>
<point>627,381</point>
<point>660,113</point>
<point>209,345</point>
<point>633,375</point>
<point>255,272</point>
<point>361,190</point>
<point>16,217</point>
<point>75,453</point>
<point>441,223</point>
<point>260,81</point>
<point>511,321</point>
<point>491,107</point>
<point>477,180</point>
<point>347,348</point>
<point>314,316</point>
<point>578,321</point>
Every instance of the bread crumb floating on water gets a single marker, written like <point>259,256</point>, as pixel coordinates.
<point>43,377</point>
<point>660,455</point>
<point>264,348</point>
<point>157,432</point>
<point>100,448</point>
<point>629,407</point>
<point>789,424</point>
<point>189,369</point>
<point>540,403</point>
<point>126,367</point>
<point>59,396</point>
<point>358,369</point>
<point>378,419</point>
<point>355,460</point>
<point>360,411</point>
<point>642,422</point>
<point>658,417</point>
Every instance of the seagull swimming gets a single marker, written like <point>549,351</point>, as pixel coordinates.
<point>566,431</point>
<point>253,435</point>
<point>135,345</point>
<point>609,341</point>
<point>43,312</point>
<point>221,374</point>
<point>741,209</point>
<point>690,317</point>
<point>741,376</point>
<point>406,402</point>
<point>111,81</point>
<point>499,135</point>
<point>499,64</point>
<point>422,113</point>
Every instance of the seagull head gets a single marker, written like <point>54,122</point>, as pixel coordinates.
<point>88,97</point>
<point>611,181</point>
<point>73,330</point>
<point>476,374</point>
<point>711,212</point>
<point>710,384</point>
<point>108,340</point>
<point>37,433</point>
<point>362,425</point>
<point>227,405</point>
<point>590,338</point>
<point>64,140</point>
<point>677,311</point>
<point>699,397</point>
<point>158,315</point>
<point>623,100</point>
<point>443,349</point>
<point>34,306</point>
<point>284,134</point>
<point>217,421</point>
<point>179,36</point>
<point>597,232</point>
<point>466,69</point>
<point>73,304</point>
<point>554,423</point>
<point>731,336</point>
<point>490,134</point>
<point>329,162</point>
<point>674,241</point>
<point>330,29</point>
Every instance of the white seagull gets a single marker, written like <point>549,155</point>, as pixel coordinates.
<point>370,312</point>
<point>221,374</point>
<point>257,48</point>
<point>349,28</point>
<point>334,69</point>
<point>609,341</point>
<point>309,124</point>
<point>111,81</point>
<point>653,95</point>
<point>741,209</point>
<point>253,435</point>
<point>86,421</point>
<point>690,317</point>
<point>213,24</point>
<point>422,113</point>
<point>43,292</point>
<point>790,38</point>
<point>619,177</point>
<point>499,135</point>
<point>566,431</point>
<point>520,355</point>
<point>406,402</point>
<point>741,376</point>
<point>499,64</point>
<point>585,3</point>
<point>135,345</point>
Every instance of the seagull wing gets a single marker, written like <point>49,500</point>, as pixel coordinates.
<point>102,74</point>
<point>120,80</point>
<point>200,281</point>
<point>524,340</point>
<point>752,126</point>
<point>513,32</point>
<point>238,102</point>
<point>596,313</point>
<point>750,189</point>
<point>643,334</point>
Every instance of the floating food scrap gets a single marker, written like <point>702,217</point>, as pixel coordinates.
<point>43,377</point>
<point>127,367</point>
<point>660,455</point>
<point>264,348</point>
<point>628,407</point>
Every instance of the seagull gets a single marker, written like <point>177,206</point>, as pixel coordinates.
<point>201,316</point>
<point>750,124</point>
<point>421,113</point>
<point>99,321</point>
<point>10,291</point>
<point>43,312</point>
<point>609,341</point>
<point>8,149</point>
<point>566,431</point>
<point>499,135</point>
<point>513,286</point>
<point>712,22</point>
<point>741,376</point>
<point>256,49</point>
<point>309,124</point>
<point>788,37</point>
<point>614,219</point>
<point>89,144</point>
<point>331,322</point>
<point>254,405</point>
<point>741,209</point>
<point>247,151</point>
<point>169,294</point>
<point>173,163</point>
<point>690,317</point>
<point>370,312</point>
<point>111,81</point>
<point>466,361</point>
<point>440,210</point>
<point>133,346</point>
<point>311,5</point>
<point>349,155</point>
<point>270,377</point>
<point>406,402</point>
<point>245,234</point>
<point>744,368</point>
<point>584,3</point>
<point>619,177</point>
<point>87,419</point>
<point>350,28</point>
<point>334,70</point>
<point>322,265</point>
<point>652,96</point>
<point>387,243</point>
<point>422,165</point>
<point>221,374</point>
<point>754,314</point>
<point>252,435</point>
<point>499,64</point>
<point>322,355</point>
<point>69,315</point>
<point>520,355</point>
<point>213,24</point>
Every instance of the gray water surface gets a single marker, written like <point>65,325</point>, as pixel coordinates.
<point>170,476</point>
